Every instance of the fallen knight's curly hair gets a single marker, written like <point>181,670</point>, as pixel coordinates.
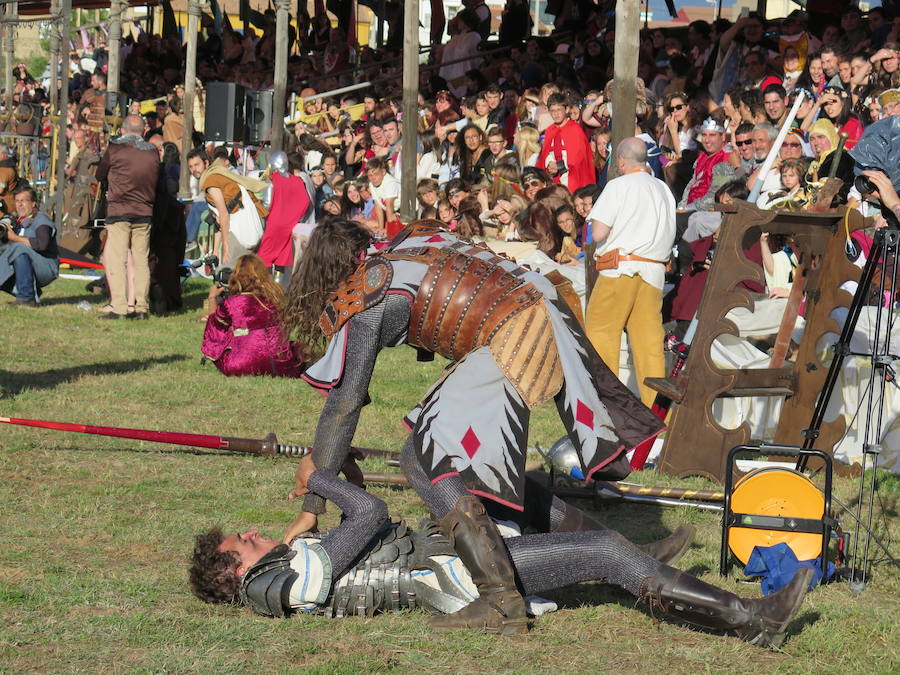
<point>333,253</point>
<point>213,573</point>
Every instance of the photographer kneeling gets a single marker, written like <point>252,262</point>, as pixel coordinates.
<point>243,333</point>
<point>29,257</point>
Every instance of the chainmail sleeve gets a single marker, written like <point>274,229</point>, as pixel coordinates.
<point>383,325</point>
<point>363,514</point>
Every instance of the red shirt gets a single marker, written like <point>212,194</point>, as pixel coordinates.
<point>568,143</point>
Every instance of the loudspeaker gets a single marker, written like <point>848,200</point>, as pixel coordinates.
<point>224,112</point>
<point>258,116</point>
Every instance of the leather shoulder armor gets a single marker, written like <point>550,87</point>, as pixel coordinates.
<point>365,288</point>
<point>266,586</point>
<point>463,301</point>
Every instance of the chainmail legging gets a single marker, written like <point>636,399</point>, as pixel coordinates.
<point>440,497</point>
<point>556,559</point>
<point>550,560</point>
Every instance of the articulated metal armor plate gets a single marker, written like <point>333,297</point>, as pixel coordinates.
<point>266,586</point>
<point>463,301</point>
<point>381,581</point>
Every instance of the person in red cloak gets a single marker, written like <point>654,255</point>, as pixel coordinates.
<point>290,202</point>
<point>566,154</point>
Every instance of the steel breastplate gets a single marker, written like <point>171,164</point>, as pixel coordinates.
<point>381,581</point>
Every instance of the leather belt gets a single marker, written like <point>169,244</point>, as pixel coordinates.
<point>611,259</point>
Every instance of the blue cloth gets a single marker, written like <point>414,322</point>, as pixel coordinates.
<point>778,564</point>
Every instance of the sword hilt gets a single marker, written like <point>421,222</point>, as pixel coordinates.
<point>292,450</point>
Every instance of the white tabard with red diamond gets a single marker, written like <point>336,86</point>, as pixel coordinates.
<point>474,424</point>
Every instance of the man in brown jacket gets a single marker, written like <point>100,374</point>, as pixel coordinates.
<point>130,168</point>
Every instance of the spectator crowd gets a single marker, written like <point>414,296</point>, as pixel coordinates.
<point>512,138</point>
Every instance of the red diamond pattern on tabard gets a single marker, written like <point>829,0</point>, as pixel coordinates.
<point>470,443</point>
<point>434,238</point>
<point>584,415</point>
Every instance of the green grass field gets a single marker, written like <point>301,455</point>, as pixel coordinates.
<point>97,531</point>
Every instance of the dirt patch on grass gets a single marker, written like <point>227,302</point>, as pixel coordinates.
<point>16,575</point>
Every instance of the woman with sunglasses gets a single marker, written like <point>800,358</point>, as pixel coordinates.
<point>791,147</point>
<point>676,130</point>
<point>676,134</point>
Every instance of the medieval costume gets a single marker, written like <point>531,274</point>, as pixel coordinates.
<point>515,343</point>
<point>821,167</point>
<point>569,147</point>
<point>710,173</point>
<point>243,337</point>
<point>369,565</point>
<point>290,203</point>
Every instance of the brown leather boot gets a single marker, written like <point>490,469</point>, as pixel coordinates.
<point>761,622</point>
<point>670,549</point>
<point>666,550</point>
<point>499,607</point>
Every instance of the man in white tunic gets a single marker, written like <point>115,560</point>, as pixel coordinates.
<point>633,221</point>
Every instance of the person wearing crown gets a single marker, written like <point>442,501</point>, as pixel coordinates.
<point>712,169</point>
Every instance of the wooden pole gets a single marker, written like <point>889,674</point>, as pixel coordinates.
<point>628,28</point>
<point>62,148</point>
<point>57,39</point>
<point>9,34</point>
<point>379,37</point>
<point>54,56</point>
<point>190,92</point>
<point>116,10</point>
<point>410,109</point>
<point>279,95</point>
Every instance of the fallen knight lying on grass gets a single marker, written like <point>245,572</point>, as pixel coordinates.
<point>368,565</point>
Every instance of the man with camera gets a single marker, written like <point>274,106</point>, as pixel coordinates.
<point>29,257</point>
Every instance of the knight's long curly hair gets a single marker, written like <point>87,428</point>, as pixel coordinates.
<point>333,253</point>
<point>213,573</point>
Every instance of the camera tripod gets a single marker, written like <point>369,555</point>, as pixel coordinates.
<point>882,258</point>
